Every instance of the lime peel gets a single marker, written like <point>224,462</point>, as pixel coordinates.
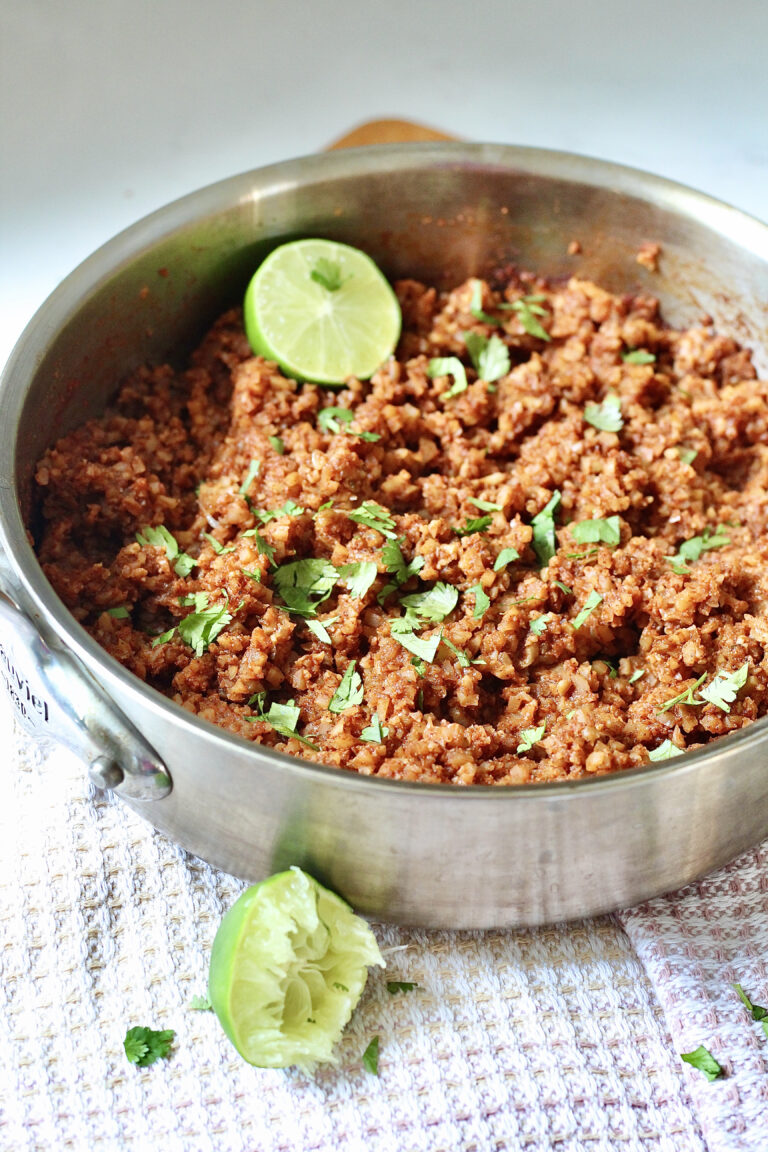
<point>288,966</point>
<point>317,328</point>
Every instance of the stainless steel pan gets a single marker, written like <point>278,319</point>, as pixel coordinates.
<point>420,854</point>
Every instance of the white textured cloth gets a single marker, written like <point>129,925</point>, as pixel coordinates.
<point>532,1040</point>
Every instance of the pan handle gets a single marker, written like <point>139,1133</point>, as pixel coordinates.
<point>56,698</point>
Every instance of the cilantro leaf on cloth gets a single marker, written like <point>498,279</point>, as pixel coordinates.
<point>506,556</point>
<point>143,1046</point>
<point>371,1057</point>
<point>433,605</point>
<point>665,751</point>
<point>489,355</point>
<point>349,692</point>
<point>449,366</point>
<point>606,416</point>
<point>725,687</point>
<point>305,584</point>
<point>597,531</point>
<point>703,1059</point>
<point>477,524</point>
<point>758,1013</point>
<point>200,1004</point>
<point>690,550</point>
<point>372,515</point>
<point>358,577</point>
<point>402,631</point>
<point>376,732</point>
<point>395,986</point>
<point>544,541</point>
<point>531,736</point>
<point>160,537</point>
<point>201,627</point>
<point>591,602</point>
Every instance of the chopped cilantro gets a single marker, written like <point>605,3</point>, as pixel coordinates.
<point>218,548</point>
<point>433,605</point>
<point>327,273</point>
<point>120,613</point>
<point>201,627</point>
<point>665,751</point>
<point>725,687</point>
<point>759,1014</point>
<point>419,665</point>
<point>478,524</point>
<point>638,356</point>
<point>703,1059</point>
<point>143,1046</point>
<point>449,366</point>
<point>590,604</point>
<point>463,659</point>
<point>482,601</point>
<point>278,444</point>
<point>637,675</point>
<point>528,308</point>
<point>320,630</point>
<point>476,305</point>
<point>490,356</point>
<point>563,587</point>
<point>163,638</point>
<point>402,631</point>
<point>371,1057</point>
<point>372,515</point>
<point>304,584</point>
<point>349,692</point>
<point>395,986</point>
<point>262,547</point>
<point>395,563</point>
<point>685,697</point>
<point>333,419</point>
<point>484,505</point>
<point>690,550</point>
<point>539,625</point>
<point>543,524</point>
<point>358,577</point>
<point>160,537</point>
<point>606,416</point>
<point>687,455</point>
<point>284,718</point>
<point>290,508</point>
<point>252,473</point>
<point>376,732</point>
<point>531,736</point>
<point>200,1004</point>
<point>597,531</point>
<point>506,556</point>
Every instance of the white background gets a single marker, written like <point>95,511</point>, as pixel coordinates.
<point>110,108</point>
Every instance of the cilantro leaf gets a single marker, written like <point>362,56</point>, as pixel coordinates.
<point>506,556</point>
<point>759,1014</point>
<point>163,638</point>
<point>160,537</point>
<point>665,751</point>
<point>539,625</point>
<point>606,416</point>
<point>703,1059</point>
<point>376,732</point>
<point>476,305</point>
<point>327,273</point>
<point>358,577</point>
<point>725,687</point>
<point>218,548</point>
<point>332,419</point>
<point>278,444</point>
<point>290,508</point>
<point>201,627</point>
<point>305,584</point>
<point>395,563</point>
<point>597,531</point>
<point>284,718</point>
<point>449,366</point>
<point>120,613</point>
<point>143,1046</point>
<point>484,505</point>
<point>371,1057</point>
<point>531,736</point>
<point>402,631</point>
<point>638,356</point>
<point>434,604</point>
<point>563,587</point>
<point>200,1004</point>
<point>590,604</point>
<point>543,523</point>
<point>463,659</point>
<point>349,692</point>
<point>372,515</point>
<point>321,630</point>
<point>528,308</point>
<point>685,697</point>
<point>395,986</point>
<point>687,455</point>
<point>252,473</point>
<point>690,550</point>
<point>478,524</point>
<point>637,675</point>
<point>420,667</point>
<point>482,601</point>
<point>489,355</point>
<point>262,547</point>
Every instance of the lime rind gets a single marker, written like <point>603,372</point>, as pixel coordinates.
<point>315,334</point>
<point>289,964</point>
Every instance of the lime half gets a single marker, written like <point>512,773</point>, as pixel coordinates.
<point>323,311</point>
<point>289,964</point>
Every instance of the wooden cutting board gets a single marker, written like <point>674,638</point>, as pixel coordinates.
<point>387,132</point>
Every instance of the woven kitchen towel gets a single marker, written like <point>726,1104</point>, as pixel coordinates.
<point>535,1040</point>
<point>695,944</point>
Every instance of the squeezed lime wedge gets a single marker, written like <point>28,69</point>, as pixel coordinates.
<point>323,311</point>
<point>289,964</point>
